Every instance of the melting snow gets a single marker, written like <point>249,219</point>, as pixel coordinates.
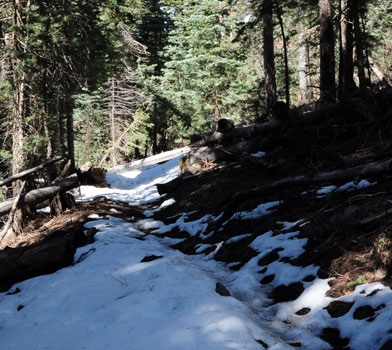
<point>109,299</point>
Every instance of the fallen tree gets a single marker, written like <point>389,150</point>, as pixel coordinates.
<point>41,194</point>
<point>47,256</point>
<point>155,159</point>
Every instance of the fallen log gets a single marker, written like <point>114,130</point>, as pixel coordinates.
<point>156,159</point>
<point>29,171</point>
<point>41,194</point>
<point>238,133</point>
<point>47,256</point>
<point>324,115</point>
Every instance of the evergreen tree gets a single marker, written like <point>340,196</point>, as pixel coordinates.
<point>206,75</point>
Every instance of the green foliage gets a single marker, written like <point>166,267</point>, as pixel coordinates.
<point>206,75</point>
<point>91,131</point>
<point>360,280</point>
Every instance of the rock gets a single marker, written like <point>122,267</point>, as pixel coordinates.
<point>284,293</point>
<point>338,308</point>
<point>149,258</point>
<point>303,311</point>
<point>222,290</point>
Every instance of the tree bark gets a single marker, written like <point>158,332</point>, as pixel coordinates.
<point>346,65</point>
<point>327,53</point>
<point>359,51</point>
<point>70,127</point>
<point>19,85</point>
<point>286,60</point>
<point>269,56</point>
<point>303,63</point>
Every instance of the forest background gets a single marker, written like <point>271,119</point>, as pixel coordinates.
<point>109,81</point>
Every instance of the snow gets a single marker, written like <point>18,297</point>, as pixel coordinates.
<point>109,299</point>
<point>350,186</point>
<point>258,154</point>
<point>258,212</point>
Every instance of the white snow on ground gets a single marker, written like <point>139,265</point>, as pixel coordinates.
<point>135,186</point>
<point>258,212</point>
<point>109,299</point>
<point>350,186</point>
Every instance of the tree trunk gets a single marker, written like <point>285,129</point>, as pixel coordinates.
<point>70,127</point>
<point>303,63</point>
<point>113,123</point>
<point>269,57</point>
<point>359,48</point>
<point>19,86</point>
<point>346,66</point>
<point>286,60</point>
<point>327,53</point>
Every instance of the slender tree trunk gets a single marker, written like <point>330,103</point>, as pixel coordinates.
<point>113,123</point>
<point>327,53</point>
<point>19,86</point>
<point>20,8</point>
<point>359,48</point>
<point>286,60</point>
<point>303,62</point>
<point>269,57</point>
<point>69,105</point>
<point>346,64</point>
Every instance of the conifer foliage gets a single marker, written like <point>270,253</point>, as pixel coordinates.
<point>111,80</point>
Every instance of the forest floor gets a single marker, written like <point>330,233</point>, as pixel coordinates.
<point>291,241</point>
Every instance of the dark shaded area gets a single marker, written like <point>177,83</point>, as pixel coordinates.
<point>287,293</point>
<point>303,311</point>
<point>222,290</point>
<point>338,308</point>
<point>54,252</point>
<point>332,336</point>
<point>151,258</point>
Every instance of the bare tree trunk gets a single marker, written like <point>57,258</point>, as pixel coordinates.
<point>286,60</point>
<point>327,53</point>
<point>70,127</point>
<point>113,123</point>
<point>359,48</point>
<point>346,64</point>
<point>18,110</point>
<point>303,62</point>
<point>269,57</point>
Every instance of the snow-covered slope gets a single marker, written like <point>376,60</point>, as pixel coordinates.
<point>131,291</point>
